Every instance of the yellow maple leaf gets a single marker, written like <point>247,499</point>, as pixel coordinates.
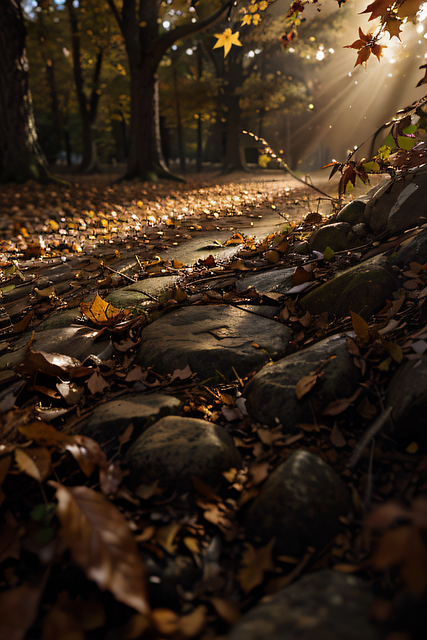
<point>253,8</point>
<point>100,311</point>
<point>256,18</point>
<point>226,40</point>
<point>247,19</point>
<point>263,5</point>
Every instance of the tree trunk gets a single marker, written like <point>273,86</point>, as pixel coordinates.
<point>145,48</point>
<point>234,159</point>
<point>181,145</point>
<point>88,107</point>
<point>21,158</point>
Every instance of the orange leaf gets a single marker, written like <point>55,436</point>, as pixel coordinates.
<point>305,384</point>
<point>360,326</point>
<point>101,544</point>
<point>377,9</point>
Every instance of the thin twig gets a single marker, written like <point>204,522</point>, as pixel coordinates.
<point>123,275</point>
<point>371,433</point>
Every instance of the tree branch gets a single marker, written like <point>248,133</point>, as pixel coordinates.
<point>167,39</point>
<point>116,14</point>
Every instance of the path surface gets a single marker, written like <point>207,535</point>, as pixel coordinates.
<point>173,416</point>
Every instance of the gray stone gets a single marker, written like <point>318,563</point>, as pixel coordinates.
<point>399,204</point>
<point>414,249</point>
<point>134,295</point>
<point>353,212</point>
<point>174,449</point>
<point>299,504</point>
<point>59,319</point>
<point>277,280</point>
<point>271,393</point>
<point>407,395</point>
<point>111,419</point>
<point>335,236</point>
<point>78,342</point>
<point>363,289</point>
<point>212,339</point>
<point>323,605</point>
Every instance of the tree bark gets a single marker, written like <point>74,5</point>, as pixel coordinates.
<point>145,48</point>
<point>234,159</point>
<point>88,106</point>
<point>21,158</point>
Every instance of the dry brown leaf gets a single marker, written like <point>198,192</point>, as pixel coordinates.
<point>226,610</point>
<point>165,536</point>
<point>300,276</point>
<point>18,610</point>
<point>193,623</point>
<point>182,374</point>
<point>360,327</point>
<point>272,256</point>
<point>165,621</point>
<point>258,471</point>
<point>341,404</point>
<point>254,564</point>
<point>87,453</point>
<point>96,383</point>
<point>305,384</point>
<point>337,438</point>
<point>34,462</point>
<point>101,544</point>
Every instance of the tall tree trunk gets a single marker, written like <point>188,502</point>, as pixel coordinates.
<point>234,159</point>
<point>181,146</point>
<point>20,155</point>
<point>145,48</point>
<point>199,154</point>
<point>88,106</point>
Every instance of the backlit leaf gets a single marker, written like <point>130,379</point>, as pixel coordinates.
<point>360,326</point>
<point>226,39</point>
<point>101,544</point>
<point>100,311</point>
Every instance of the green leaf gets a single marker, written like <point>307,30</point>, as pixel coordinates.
<point>372,166</point>
<point>389,142</point>
<point>406,143</point>
<point>410,130</point>
<point>328,253</point>
<point>384,152</point>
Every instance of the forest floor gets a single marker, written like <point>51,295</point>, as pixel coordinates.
<point>100,228</point>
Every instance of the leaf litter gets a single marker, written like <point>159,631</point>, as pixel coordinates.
<point>66,249</point>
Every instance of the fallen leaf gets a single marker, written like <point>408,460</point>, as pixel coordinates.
<point>165,621</point>
<point>18,610</point>
<point>337,438</point>
<point>101,544</point>
<point>35,463</point>
<point>341,404</point>
<point>305,384</point>
<point>360,326</point>
<point>96,383</point>
<point>102,312</point>
<point>301,275</point>
<point>226,610</point>
<point>165,536</point>
<point>255,562</point>
<point>182,374</point>
<point>193,623</point>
